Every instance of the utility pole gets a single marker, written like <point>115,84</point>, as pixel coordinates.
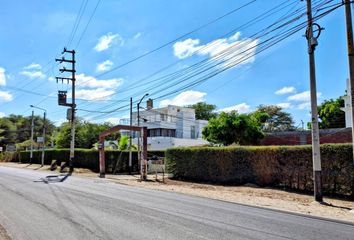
<point>72,105</point>
<point>348,20</point>
<point>44,129</point>
<point>32,128</point>
<point>316,156</point>
<point>141,161</point>
<point>130,136</point>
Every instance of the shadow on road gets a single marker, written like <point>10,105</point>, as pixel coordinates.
<point>54,178</point>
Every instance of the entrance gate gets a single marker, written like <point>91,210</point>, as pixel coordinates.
<point>143,160</point>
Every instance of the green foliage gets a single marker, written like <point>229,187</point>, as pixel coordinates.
<point>330,114</point>
<point>17,128</point>
<point>84,158</point>
<point>282,166</point>
<point>86,134</point>
<point>273,119</point>
<point>229,128</point>
<point>204,111</point>
<point>123,143</point>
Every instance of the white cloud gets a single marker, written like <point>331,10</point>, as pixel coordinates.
<point>33,74</point>
<point>285,90</point>
<point>35,66</point>
<point>231,51</point>
<point>5,96</point>
<point>91,82</point>
<point>2,114</point>
<point>240,108</point>
<point>284,105</point>
<point>113,120</point>
<point>184,98</point>
<point>302,97</point>
<point>2,77</point>
<point>186,48</point>
<point>52,79</point>
<point>94,94</point>
<point>104,66</point>
<point>304,106</point>
<point>138,35</point>
<point>106,41</point>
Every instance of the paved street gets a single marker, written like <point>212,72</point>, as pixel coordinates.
<point>81,208</point>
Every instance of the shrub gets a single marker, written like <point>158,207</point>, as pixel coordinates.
<point>284,166</point>
<point>84,158</point>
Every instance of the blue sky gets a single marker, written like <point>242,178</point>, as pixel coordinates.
<point>212,38</point>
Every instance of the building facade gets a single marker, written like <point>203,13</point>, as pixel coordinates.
<point>171,126</point>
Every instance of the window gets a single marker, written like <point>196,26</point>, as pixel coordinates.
<point>192,132</point>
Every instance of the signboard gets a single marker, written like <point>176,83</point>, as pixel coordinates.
<point>39,139</point>
<point>10,147</point>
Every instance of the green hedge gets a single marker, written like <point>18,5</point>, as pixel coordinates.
<point>285,166</point>
<point>84,158</point>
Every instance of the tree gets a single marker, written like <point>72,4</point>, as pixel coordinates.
<point>86,134</point>
<point>274,119</point>
<point>229,128</point>
<point>204,111</point>
<point>330,114</point>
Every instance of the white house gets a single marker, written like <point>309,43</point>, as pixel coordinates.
<point>347,106</point>
<point>171,126</point>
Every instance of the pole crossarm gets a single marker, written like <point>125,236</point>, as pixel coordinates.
<point>61,60</point>
<point>67,70</point>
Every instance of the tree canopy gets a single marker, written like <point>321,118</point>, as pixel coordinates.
<point>274,119</point>
<point>229,128</point>
<point>330,114</point>
<point>204,111</point>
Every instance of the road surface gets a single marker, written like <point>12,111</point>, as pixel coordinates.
<point>82,208</point>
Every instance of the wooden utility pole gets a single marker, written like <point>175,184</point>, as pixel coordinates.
<point>348,20</point>
<point>72,105</point>
<point>130,136</point>
<point>32,128</point>
<point>316,156</point>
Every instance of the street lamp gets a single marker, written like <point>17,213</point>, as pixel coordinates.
<point>139,157</point>
<point>43,146</point>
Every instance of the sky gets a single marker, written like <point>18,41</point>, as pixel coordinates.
<point>236,55</point>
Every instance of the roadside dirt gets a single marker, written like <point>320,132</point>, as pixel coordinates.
<point>3,234</point>
<point>248,194</point>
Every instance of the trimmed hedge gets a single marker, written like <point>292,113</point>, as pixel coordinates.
<point>284,166</point>
<point>84,158</point>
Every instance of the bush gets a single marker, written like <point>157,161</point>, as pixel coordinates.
<point>284,166</point>
<point>84,158</point>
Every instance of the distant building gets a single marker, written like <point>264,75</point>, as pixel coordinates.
<point>171,126</point>
<point>347,106</point>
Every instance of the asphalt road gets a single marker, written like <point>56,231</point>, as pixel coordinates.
<point>81,208</point>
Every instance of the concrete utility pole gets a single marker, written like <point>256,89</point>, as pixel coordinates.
<point>348,20</point>
<point>130,136</point>
<point>142,165</point>
<point>72,104</point>
<point>44,130</point>
<point>316,156</point>
<point>32,128</point>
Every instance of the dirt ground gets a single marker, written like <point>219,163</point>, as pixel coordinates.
<point>247,194</point>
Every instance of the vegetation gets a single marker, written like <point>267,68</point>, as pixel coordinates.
<point>282,166</point>
<point>274,119</point>
<point>330,114</point>
<point>229,128</point>
<point>204,111</point>
<point>17,129</point>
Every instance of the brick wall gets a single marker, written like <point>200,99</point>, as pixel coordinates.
<point>335,135</point>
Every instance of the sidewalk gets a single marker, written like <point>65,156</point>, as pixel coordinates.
<point>247,194</point>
